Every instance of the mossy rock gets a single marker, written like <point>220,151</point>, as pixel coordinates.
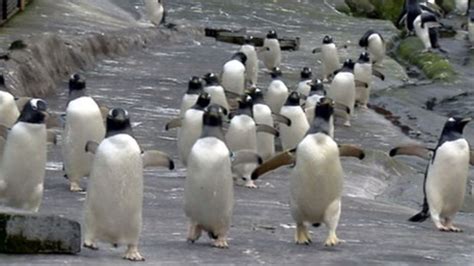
<point>433,65</point>
<point>379,9</point>
<point>446,5</point>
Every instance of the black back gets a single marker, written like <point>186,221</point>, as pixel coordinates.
<point>118,122</point>
<point>33,112</point>
<point>322,114</point>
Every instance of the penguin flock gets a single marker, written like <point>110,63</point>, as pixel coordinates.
<point>230,131</point>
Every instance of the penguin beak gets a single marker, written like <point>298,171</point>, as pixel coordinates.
<point>464,121</point>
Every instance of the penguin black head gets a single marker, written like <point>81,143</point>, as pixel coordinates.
<point>293,99</point>
<point>213,116</point>
<point>317,86</point>
<point>272,35</point>
<point>76,82</point>
<point>194,85</point>
<point>249,39</point>
<point>239,56</point>
<point>211,79</point>
<point>306,73</point>
<point>327,39</point>
<point>118,122</point>
<point>348,65</point>
<point>245,102</point>
<point>455,126</point>
<point>34,112</point>
<point>276,73</point>
<point>364,58</point>
<point>256,94</point>
<point>203,101</point>
<point>364,40</point>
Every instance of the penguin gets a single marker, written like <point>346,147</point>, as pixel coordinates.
<point>251,74</point>
<point>191,126</point>
<point>303,87</point>
<point>424,25</point>
<point>363,74</point>
<point>277,92</point>
<point>316,180</point>
<point>262,115</point>
<point>330,57</point>
<point>155,11</point>
<point>23,164</point>
<point>190,97</point>
<point>292,135</point>
<point>316,93</point>
<point>271,51</point>
<point>208,189</point>
<point>446,175</point>
<point>215,90</point>
<point>113,205</point>
<point>471,27</point>
<point>374,44</point>
<point>8,109</point>
<point>233,74</point>
<point>342,91</point>
<point>84,122</point>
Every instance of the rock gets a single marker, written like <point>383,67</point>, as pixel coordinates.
<point>23,233</point>
<point>446,5</point>
<point>380,9</point>
<point>432,64</point>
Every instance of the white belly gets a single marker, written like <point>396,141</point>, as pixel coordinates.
<point>154,11</point>
<point>191,129</point>
<point>342,89</point>
<point>422,33</point>
<point>83,123</point>
<point>187,102</point>
<point>208,189</point>
<point>310,106</point>
<point>276,95</point>
<point>233,77</point>
<point>8,109</point>
<point>447,178</point>
<point>242,135</point>
<point>330,59</point>
<point>317,179</point>
<point>251,65</point>
<point>23,166</point>
<point>217,95</point>
<point>265,142</point>
<point>363,72</point>
<point>303,87</point>
<point>113,207</point>
<point>293,134</point>
<point>272,57</point>
<point>376,49</point>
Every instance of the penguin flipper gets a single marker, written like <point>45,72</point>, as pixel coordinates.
<point>91,146</point>
<point>51,137</point>
<point>174,123</point>
<point>245,156</point>
<point>359,83</point>
<point>267,129</point>
<point>281,119</point>
<point>419,217</point>
<point>317,50</point>
<point>378,74</point>
<point>157,158</point>
<point>349,150</point>
<point>415,150</point>
<point>284,158</point>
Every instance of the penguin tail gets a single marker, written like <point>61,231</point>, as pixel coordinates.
<point>419,217</point>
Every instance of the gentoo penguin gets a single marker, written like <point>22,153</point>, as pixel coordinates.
<point>209,189</point>
<point>191,126</point>
<point>446,175</point>
<point>155,11</point>
<point>8,109</point>
<point>363,74</point>
<point>277,92</point>
<point>425,25</point>
<point>317,95</point>
<point>292,135</point>
<point>113,206</point>
<point>374,44</point>
<point>303,87</point>
<point>316,179</point>
<point>233,74</point>
<point>330,57</point>
<point>191,95</point>
<point>23,164</point>
<point>342,91</point>
<point>215,90</point>
<point>84,122</point>
<point>271,51</point>
<point>251,66</point>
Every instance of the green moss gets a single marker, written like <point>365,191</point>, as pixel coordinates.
<point>446,5</point>
<point>433,65</point>
<point>388,9</point>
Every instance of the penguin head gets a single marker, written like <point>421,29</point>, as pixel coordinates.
<point>306,73</point>
<point>364,58</point>
<point>348,65</point>
<point>317,86</point>
<point>276,73</point>
<point>245,102</point>
<point>213,115</point>
<point>293,99</point>
<point>118,121</point>
<point>324,108</point>
<point>455,125</point>
<point>34,112</point>
<point>194,85</point>
<point>76,82</point>
<point>256,94</point>
<point>327,39</point>
<point>211,79</point>
<point>249,39</point>
<point>272,35</point>
<point>239,56</point>
<point>203,101</point>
